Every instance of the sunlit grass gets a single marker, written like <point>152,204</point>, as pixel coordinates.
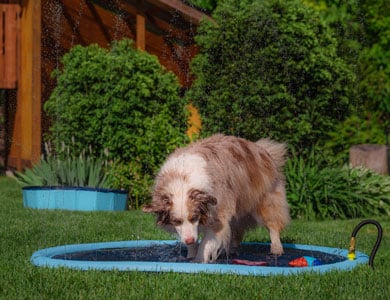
<point>24,231</point>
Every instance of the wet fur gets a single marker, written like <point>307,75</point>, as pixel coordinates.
<point>221,186</point>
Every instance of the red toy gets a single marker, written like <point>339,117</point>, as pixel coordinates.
<point>249,262</point>
<point>305,261</point>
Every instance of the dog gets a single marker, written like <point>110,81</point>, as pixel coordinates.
<point>221,186</point>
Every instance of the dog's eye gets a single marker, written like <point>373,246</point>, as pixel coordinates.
<point>165,199</point>
<point>176,222</point>
<point>193,219</point>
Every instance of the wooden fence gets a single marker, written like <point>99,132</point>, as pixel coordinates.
<point>9,38</point>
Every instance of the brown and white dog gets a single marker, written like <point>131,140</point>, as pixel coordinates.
<point>221,186</point>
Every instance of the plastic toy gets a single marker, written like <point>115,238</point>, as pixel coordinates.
<point>249,262</point>
<point>305,261</point>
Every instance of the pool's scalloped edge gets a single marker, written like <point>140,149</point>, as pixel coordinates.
<point>43,258</point>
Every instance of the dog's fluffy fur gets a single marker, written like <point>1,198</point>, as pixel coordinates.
<point>221,186</point>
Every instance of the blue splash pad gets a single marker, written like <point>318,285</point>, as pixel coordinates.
<point>169,256</point>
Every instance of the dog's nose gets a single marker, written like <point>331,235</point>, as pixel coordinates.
<point>189,241</point>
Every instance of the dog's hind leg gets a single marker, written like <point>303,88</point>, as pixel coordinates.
<point>237,236</point>
<point>238,228</point>
<point>274,214</point>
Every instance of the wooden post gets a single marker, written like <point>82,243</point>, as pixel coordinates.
<point>140,31</point>
<point>9,36</point>
<point>26,131</point>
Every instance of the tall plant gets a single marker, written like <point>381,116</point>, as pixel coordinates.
<point>66,169</point>
<point>362,29</point>
<point>320,191</point>
<point>120,99</point>
<point>269,68</point>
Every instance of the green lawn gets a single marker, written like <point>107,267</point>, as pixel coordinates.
<point>23,231</point>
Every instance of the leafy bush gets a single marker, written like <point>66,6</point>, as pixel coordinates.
<point>352,131</point>
<point>121,100</point>
<point>334,192</point>
<point>204,4</point>
<point>66,169</point>
<point>269,68</point>
<point>362,29</point>
<point>132,178</point>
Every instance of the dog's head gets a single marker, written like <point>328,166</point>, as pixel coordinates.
<point>182,210</point>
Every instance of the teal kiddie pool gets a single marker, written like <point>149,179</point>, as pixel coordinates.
<point>74,198</point>
<point>169,256</point>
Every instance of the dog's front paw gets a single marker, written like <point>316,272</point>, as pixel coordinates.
<point>209,251</point>
<point>276,249</point>
<point>205,258</point>
<point>192,250</point>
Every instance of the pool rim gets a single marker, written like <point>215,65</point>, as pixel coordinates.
<point>43,258</point>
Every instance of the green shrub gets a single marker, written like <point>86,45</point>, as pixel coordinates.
<point>352,131</point>
<point>65,169</point>
<point>204,4</point>
<point>131,177</point>
<point>269,68</point>
<point>362,30</point>
<point>121,100</point>
<point>316,192</point>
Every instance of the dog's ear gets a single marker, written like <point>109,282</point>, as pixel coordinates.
<point>202,197</point>
<point>201,202</point>
<point>160,206</point>
<point>150,208</point>
<point>159,203</point>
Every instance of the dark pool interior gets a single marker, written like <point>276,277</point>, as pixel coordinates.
<point>176,253</point>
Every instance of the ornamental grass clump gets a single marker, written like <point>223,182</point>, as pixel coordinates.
<point>66,169</point>
<point>318,192</point>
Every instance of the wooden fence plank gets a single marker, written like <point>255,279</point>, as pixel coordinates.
<point>2,45</point>
<point>25,148</point>
<point>140,34</point>
<point>9,35</point>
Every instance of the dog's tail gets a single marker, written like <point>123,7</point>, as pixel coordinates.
<point>276,150</point>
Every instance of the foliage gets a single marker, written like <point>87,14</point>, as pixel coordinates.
<point>362,29</point>
<point>374,60</point>
<point>66,169</point>
<point>131,178</point>
<point>327,192</point>
<point>352,131</point>
<point>269,68</point>
<point>208,5</point>
<point>121,100</point>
